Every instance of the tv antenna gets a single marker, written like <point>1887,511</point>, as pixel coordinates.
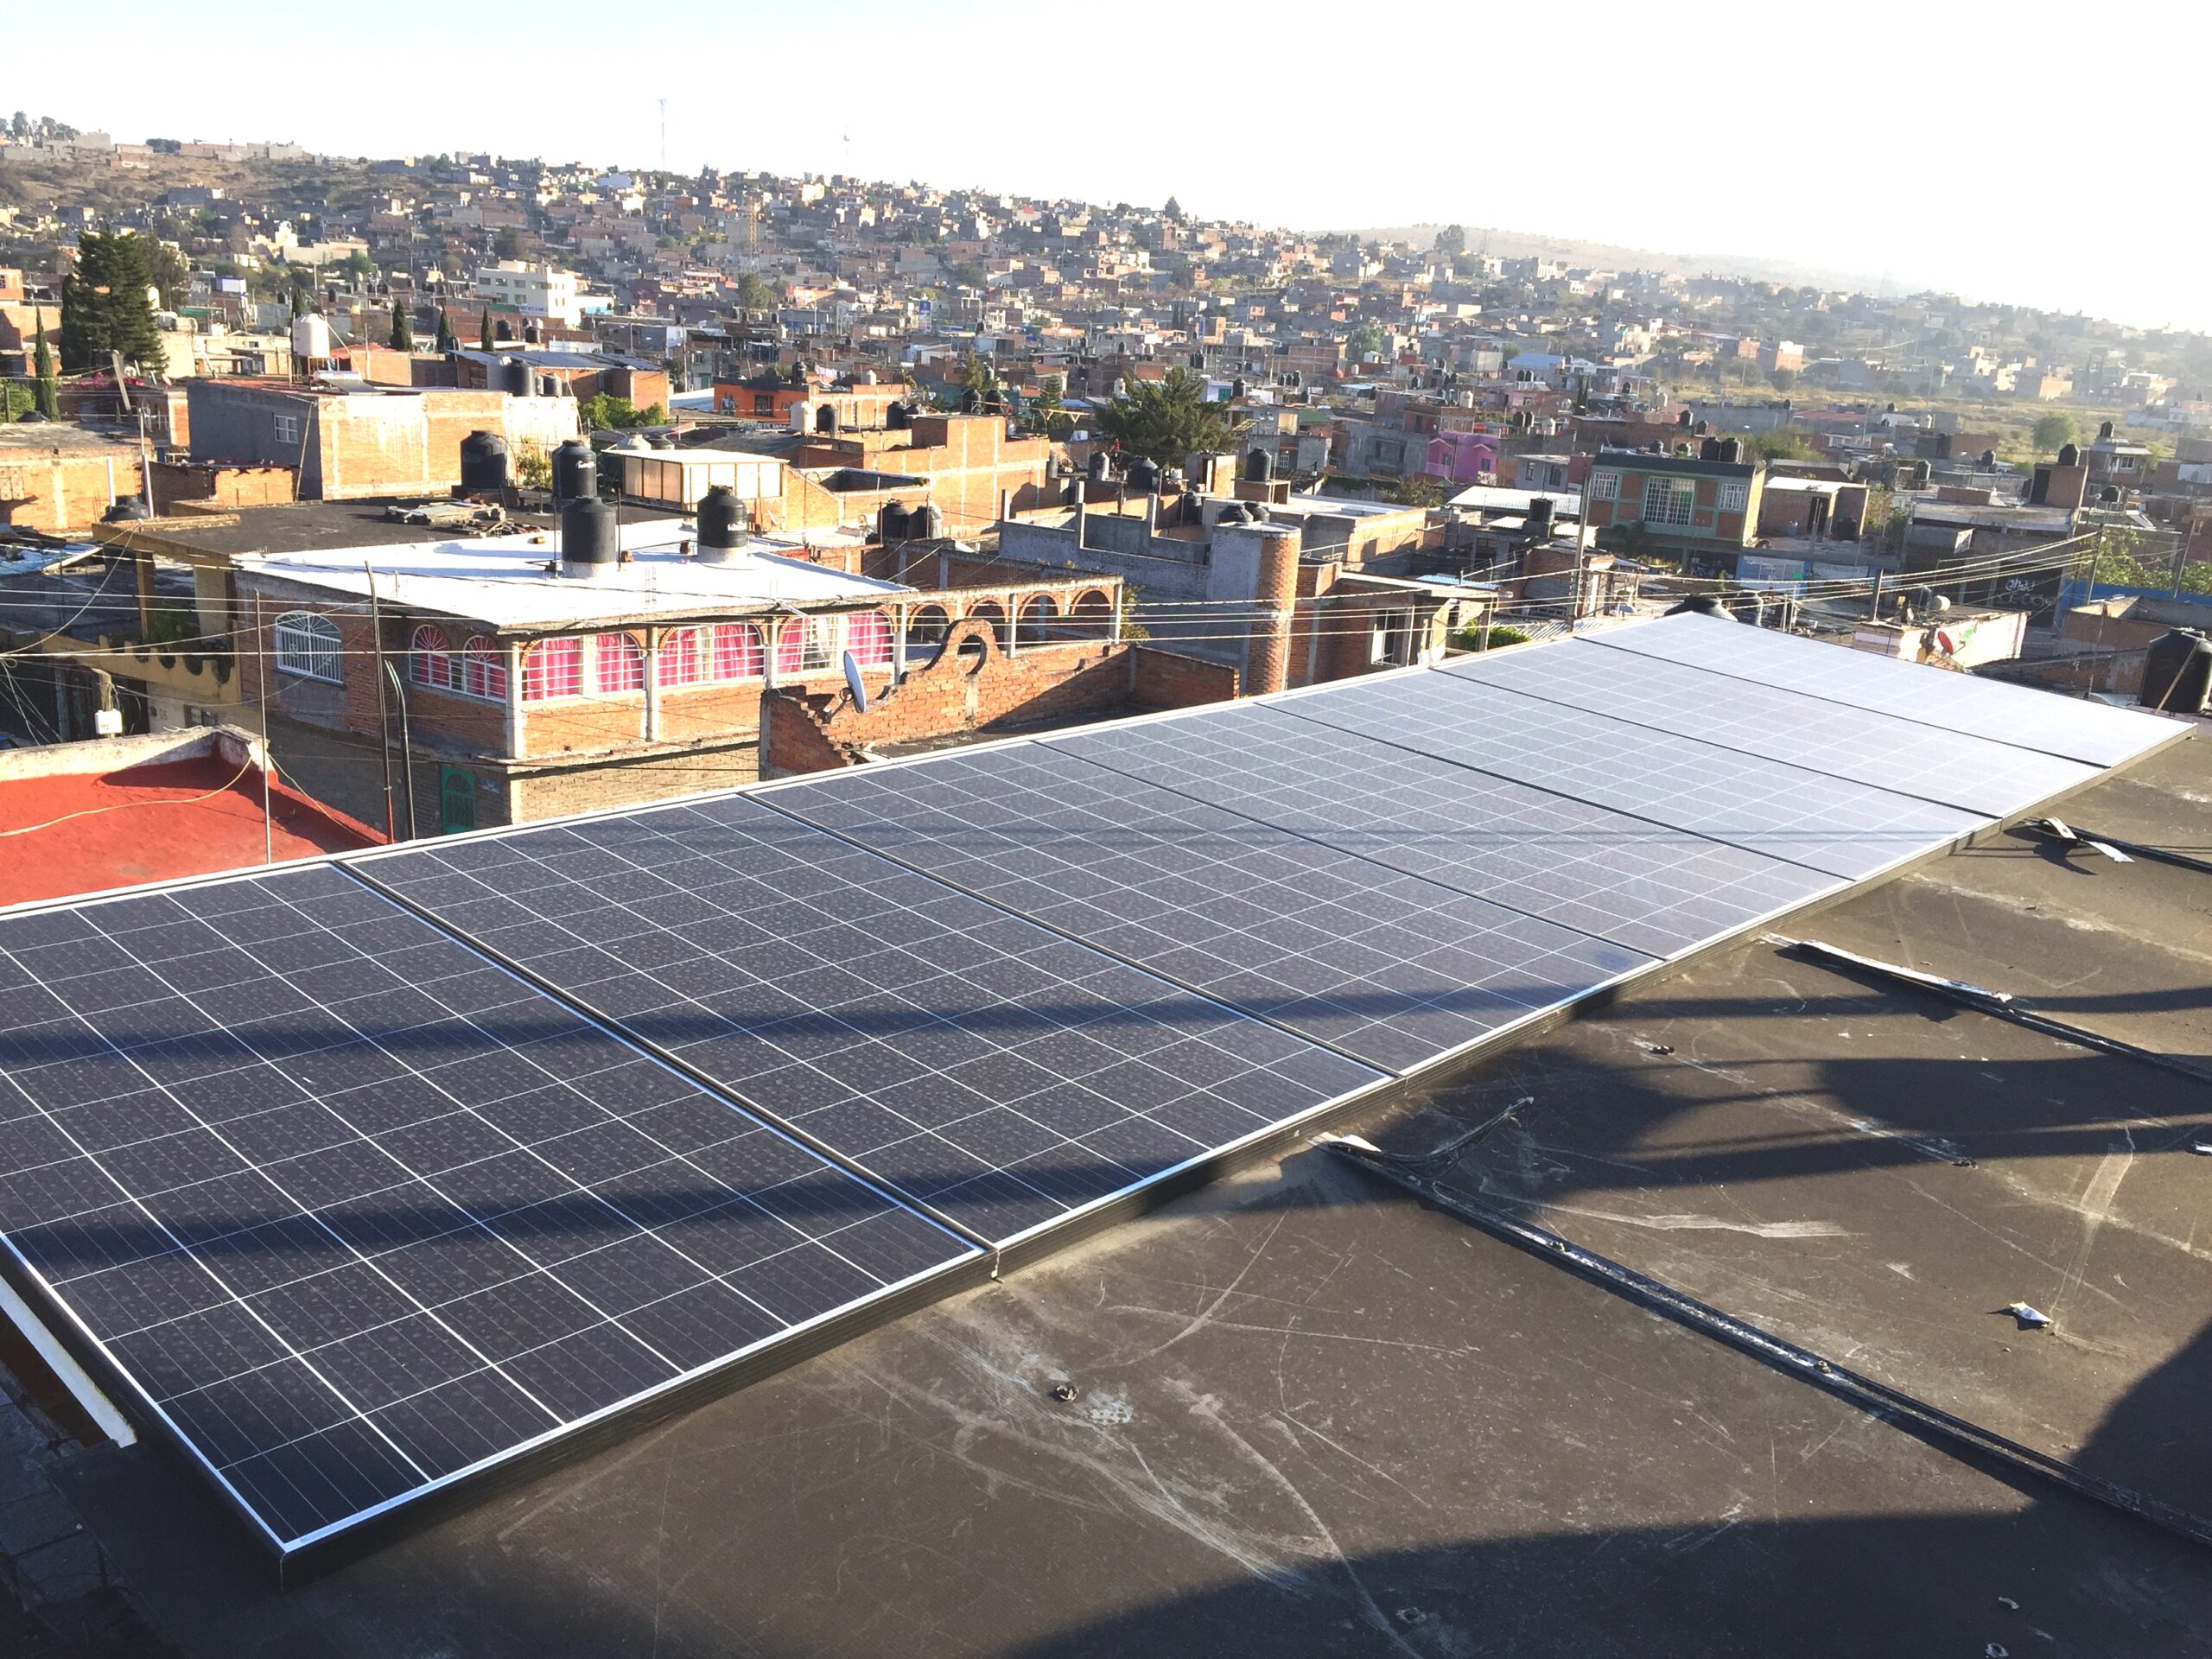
<point>663,133</point>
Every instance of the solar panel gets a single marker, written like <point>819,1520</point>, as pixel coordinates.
<point>1395,970</point>
<point>1844,829</point>
<point>1861,745</point>
<point>359,1214</point>
<point>1647,885</point>
<point>2080,730</point>
<point>988,1068</point>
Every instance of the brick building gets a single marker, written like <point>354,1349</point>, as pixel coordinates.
<point>1690,505</point>
<point>57,478</point>
<point>508,693</point>
<point>355,444</point>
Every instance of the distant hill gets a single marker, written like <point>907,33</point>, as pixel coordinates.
<point>1521,245</point>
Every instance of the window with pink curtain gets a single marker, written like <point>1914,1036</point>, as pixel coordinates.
<point>553,668</point>
<point>484,669</point>
<point>867,636</point>
<point>678,663</point>
<point>430,658</point>
<point>622,664</point>
<point>736,652</point>
<point>790,648</point>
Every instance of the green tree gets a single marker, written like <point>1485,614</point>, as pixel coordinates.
<point>1168,420</point>
<point>1172,210</point>
<point>506,242</point>
<point>104,305</point>
<point>403,331</point>
<point>1452,241</point>
<point>753,295</point>
<point>484,333</point>
<point>1783,379</point>
<point>1783,443</point>
<point>606,410</point>
<point>978,376</point>
<point>1415,490</point>
<point>2054,431</point>
<point>445,341</point>
<point>48,396</point>
<point>166,270</point>
<point>1365,343</point>
<point>1047,414</point>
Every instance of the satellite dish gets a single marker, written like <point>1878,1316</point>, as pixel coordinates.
<point>853,685</point>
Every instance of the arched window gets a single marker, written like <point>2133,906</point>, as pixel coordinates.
<point>925,628</point>
<point>1037,617</point>
<point>867,636</point>
<point>790,648</point>
<point>430,660</point>
<point>991,611</point>
<point>735,651</point>
<point>307,645</point>
<point>1093,615</point>
<point>553,668</point>
<point>678,663</point>
<point>622,664</point>
<point>484,669</point>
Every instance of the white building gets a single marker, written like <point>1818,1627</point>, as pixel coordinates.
<point>534,290</point>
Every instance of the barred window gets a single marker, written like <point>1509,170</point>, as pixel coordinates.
<point>1666,501</point>
<point>307,645</point>
<point>1734,497</point>
<point>484,669</point>
<point>553,668</point>
<point>1605,486</point>
<point>430,660</point>
<point>736,654</point>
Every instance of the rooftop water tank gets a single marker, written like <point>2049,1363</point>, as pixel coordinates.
<point>2177,673</point>
<point>725,530</point>
<point>591,540</point>
<point>483,463</point>
<point>576,472</point>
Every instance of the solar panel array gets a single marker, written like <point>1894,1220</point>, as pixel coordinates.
<point>358,1212</point>
<point>365,1177</point>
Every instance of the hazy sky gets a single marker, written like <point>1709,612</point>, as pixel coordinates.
<point>2014,151</point>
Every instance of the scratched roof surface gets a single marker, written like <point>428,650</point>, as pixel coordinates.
<point>1313,1416</point>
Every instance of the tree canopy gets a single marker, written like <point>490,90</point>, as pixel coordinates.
<point>1452,241</point>
<point>605,410</point>
<point>1168,420</point>
<point>2054,431</point>
<point>403,331</point>
<point>1047,415</point>
<point>104,305</point>
<point>50,403</point>
<point>1365,342</point>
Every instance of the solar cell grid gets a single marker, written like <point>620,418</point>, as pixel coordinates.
<point>1002,1075</point>
<point>1825,824</point>
<point>1861,745</point>
<point>2079,730</point>
<point>356,1211</point>
<point>1390,967</point>
<point>1644,885</point>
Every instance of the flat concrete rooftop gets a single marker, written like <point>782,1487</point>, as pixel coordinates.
<point>1315,1415</point>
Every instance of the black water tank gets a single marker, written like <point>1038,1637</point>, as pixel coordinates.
<point>483,463</point>
<point>895,523</point>
<point>724,524</point>
<point>1704,605</point>
<point>2177,673</point>
<point>1143,476</point>
<point>1731,451</point>
<point>591,541</point>
<point>825,419</point>
<point>1101,465</point>
<point>2069,455</point>
<point>971,401</point>
<point>1259,465</point>
<point>924,524</point>
<point>897,418</point>
<point>1709,450</point>
<point>576,472</point>
<point>1540,520</point>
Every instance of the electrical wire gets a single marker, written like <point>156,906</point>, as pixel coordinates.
<point>119,807</point>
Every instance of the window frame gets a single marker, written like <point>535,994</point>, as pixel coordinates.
<point>542,659</point>
<point>617,647</point>
<point>737,642</point>
<point>483,668</point>
<point>429,664</point>
<point>307,645</point>
<point>1605,486</point>
<point>1677,509</point>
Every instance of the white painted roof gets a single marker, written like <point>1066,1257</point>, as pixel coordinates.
<point>502,581</point>
<point>1495,498</point>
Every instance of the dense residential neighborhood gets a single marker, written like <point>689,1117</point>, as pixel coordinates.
<point>663,835</point>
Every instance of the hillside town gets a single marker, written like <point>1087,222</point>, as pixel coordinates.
<point>528,550</point>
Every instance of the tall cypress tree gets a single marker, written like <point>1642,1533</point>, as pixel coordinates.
<point>403,331</point>
<point>49,401</point>
<point>484,336</point>
<point>104,308</point>
<point>445,341</point>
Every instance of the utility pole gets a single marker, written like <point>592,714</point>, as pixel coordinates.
<point>663,134</point>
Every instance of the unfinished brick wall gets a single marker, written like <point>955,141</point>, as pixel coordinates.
<point>1161,679</point>
<point>970,684</point>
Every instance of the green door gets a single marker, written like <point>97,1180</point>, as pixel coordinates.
<point>456,800</point>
